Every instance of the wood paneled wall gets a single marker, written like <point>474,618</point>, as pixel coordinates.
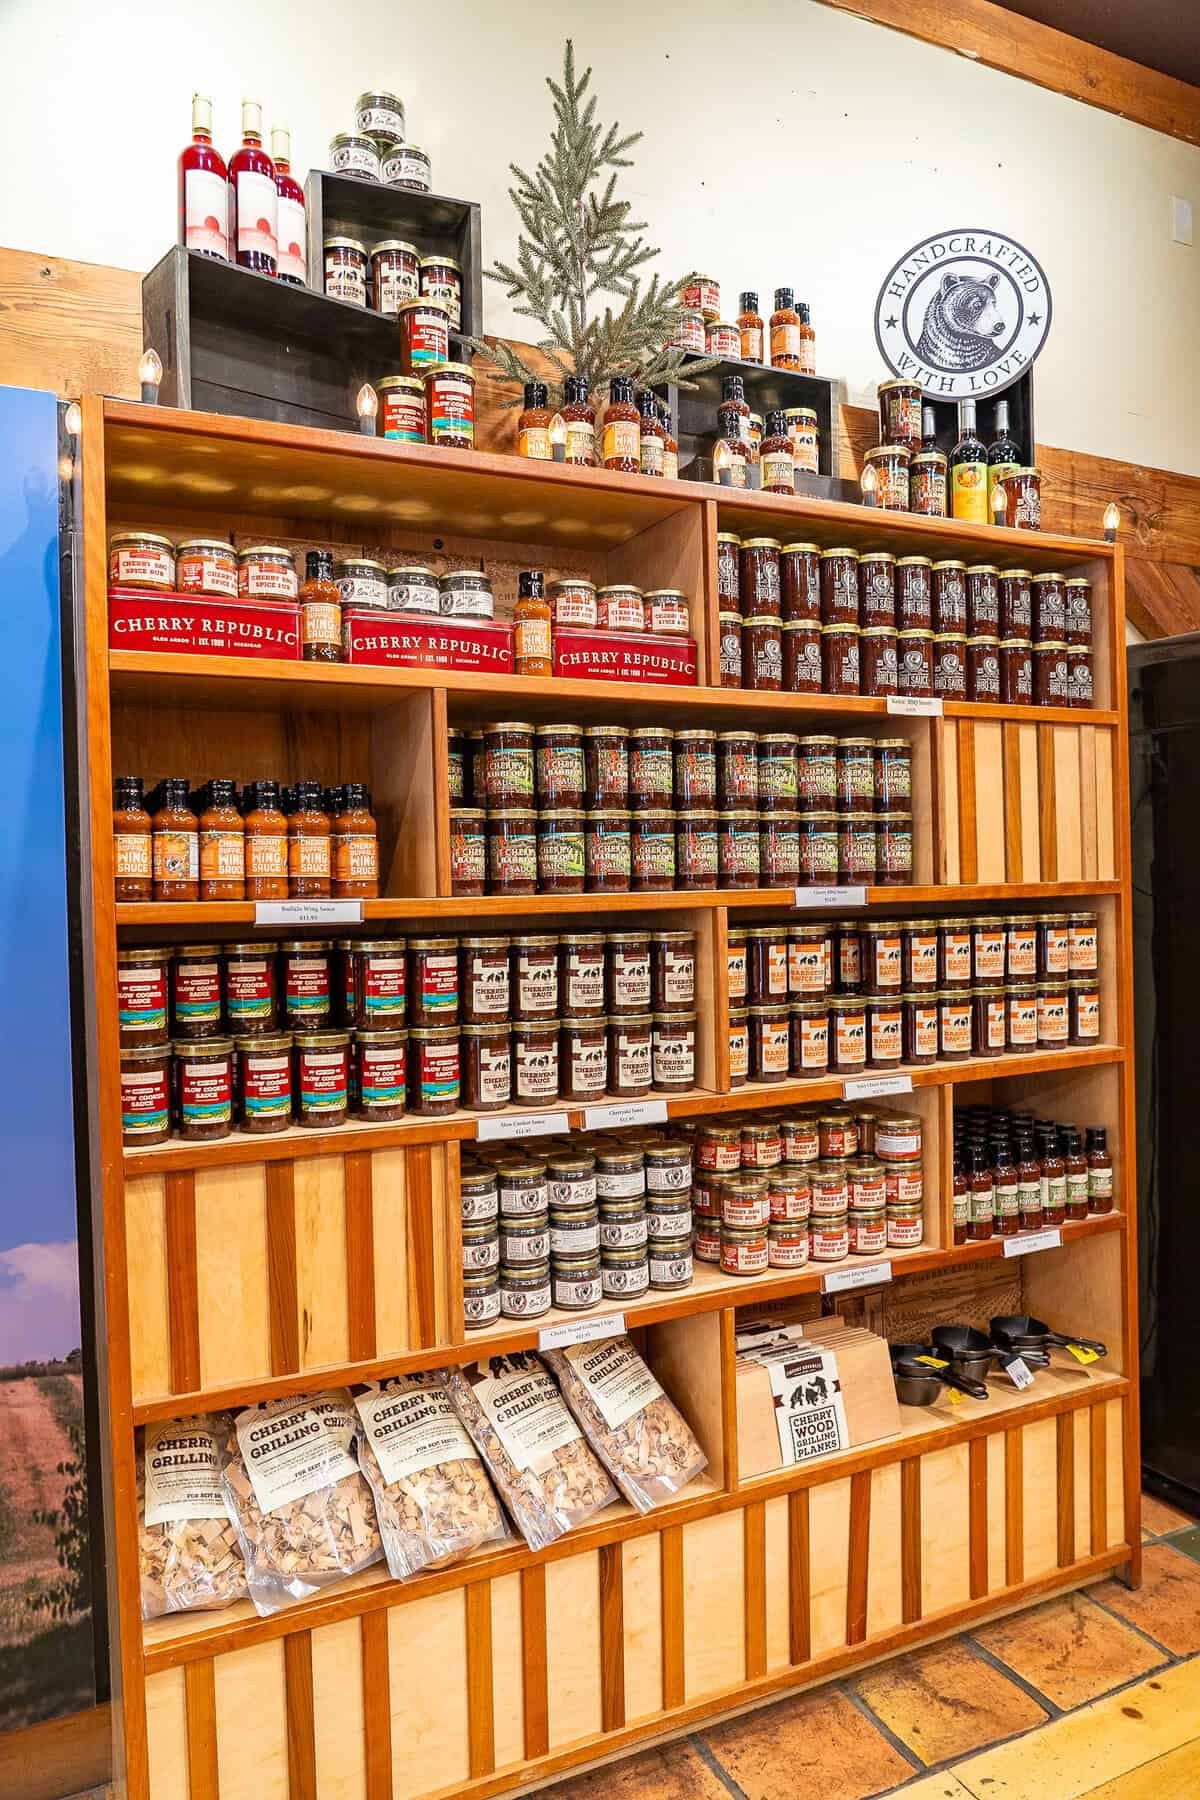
<point>75,328</point>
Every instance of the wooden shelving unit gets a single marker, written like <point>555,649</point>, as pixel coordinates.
<point>253,1267</point>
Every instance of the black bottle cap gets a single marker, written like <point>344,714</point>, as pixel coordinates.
<point>334,799</point>
<point>308,796</point>
<point>531,584</point>
<point>777,423</point>
<point>749,301</point>
<point>732,388</point>
<point>259,794</point>
<point>783,299</point>
<point>536,394</point>
<point>576,388</point>
<point>318,565</point>
<point>803,310</point>
<point>620,389</point>
<point>222,793</point>
<point>648,403</point>
<point>355,793</point>
<point>127,791</point>
<point>1097,1137</point>
<point>664,413</point>
<point>175,790</point>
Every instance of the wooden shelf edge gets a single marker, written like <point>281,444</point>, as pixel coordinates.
<point>712,1295</point>
<point>127,667</point>
<point>297,1144</point>
<point>212,1637</point>
<point>790,510</point>
<point>132,915</point>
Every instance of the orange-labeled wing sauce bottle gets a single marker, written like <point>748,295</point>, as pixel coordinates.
<point>222,844</point>
<point>355,845</point>
<point>266,842</point>
<point>310,844</point>
<point>532,651</point>
<point>622,440</point>
<point>133,865</point>
<point>176,843</point>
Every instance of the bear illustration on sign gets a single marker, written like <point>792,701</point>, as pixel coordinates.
<point>960,327</point>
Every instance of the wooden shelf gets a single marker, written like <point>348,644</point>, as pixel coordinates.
<point>188,1637</point>
<point>297,1143</point>
<point>232,681</point>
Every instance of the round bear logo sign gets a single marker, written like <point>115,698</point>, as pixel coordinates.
<point>963,313</point>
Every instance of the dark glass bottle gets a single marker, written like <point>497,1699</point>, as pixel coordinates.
<point>968,470</point>
<point>734,412</point>
<point>808,340</point>
<point>1029,1181</point>
<point>579,416</point>
<point>1007,1191</point>
<point>1100,1170</point>
<point>962,1201</point>
<point>1004,456</point>
<point>1077,1173</point>
<point>533,426</point>
<point>654,438</point>
<point>928,429</point>
<point>982,1196</point>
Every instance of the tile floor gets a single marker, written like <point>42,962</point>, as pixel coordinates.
<point>1091,1696</point>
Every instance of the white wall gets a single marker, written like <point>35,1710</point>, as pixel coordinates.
<point>784,144</point>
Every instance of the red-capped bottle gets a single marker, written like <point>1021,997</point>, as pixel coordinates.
<point>253,201</point>
<point>203,188</point>
<point>292,230</point>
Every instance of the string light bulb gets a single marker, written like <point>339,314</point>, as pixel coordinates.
<point>73,419</point>
<point>367,405</point>
<point>722,461</point>
<point>150,374</point>
<point>558,438</point>
<point>1112,522</point>
<point>870,485</point>
<point>999,504</point>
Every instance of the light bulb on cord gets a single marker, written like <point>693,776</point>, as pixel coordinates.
<point>1112,521</point>
<point>870,486</point>
<point>558,438</point>
<point>150,374</point>
<point>722,461</point>
<point>73,419</point>
<point>367,404</point>
<point>999,504</point>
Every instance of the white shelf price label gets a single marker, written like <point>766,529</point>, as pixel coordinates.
<point>520,1125</point>
<point>1019,1373</point>
<point>581,1331</point>
<point>844,1281</point>
<point>308,912</point>
<point>871,1087</point>
<point>830,896</point>
<point>633,1112</point>
<point>915,706</point>
<point>1030,1241</point>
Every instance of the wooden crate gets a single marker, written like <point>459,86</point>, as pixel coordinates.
<point>246,1268</point>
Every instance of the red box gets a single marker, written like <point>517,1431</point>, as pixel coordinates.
<point>410,641</point>
<point>193,625</point>
<point>625,656</point>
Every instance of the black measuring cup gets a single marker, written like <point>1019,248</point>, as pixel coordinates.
<point>909,1373</point>
<point>974,1353</point>
<point>1021,1332</point>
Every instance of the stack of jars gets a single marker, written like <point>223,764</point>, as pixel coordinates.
<point>835,998</point>
<point>1015,1173</point>
<point>800,619</point>
<point>608,809</point>
<point>774,1190</point>
<point>601,1215</point>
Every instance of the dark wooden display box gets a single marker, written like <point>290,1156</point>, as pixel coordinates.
<point>235,342</point>
<point>349,206</point>
<point>1020,417</point>
<point>695,414</point>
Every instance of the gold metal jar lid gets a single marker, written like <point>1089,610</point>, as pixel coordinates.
<point>411,384</point>
<point>394,244</point>
<point>348,243</point>
<point>841,550</point>
<point>436,262</point>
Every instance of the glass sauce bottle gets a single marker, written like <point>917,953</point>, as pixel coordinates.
<point>355,846</point>
<point>253,199</point>
<point>292,230</point>
<point>1054,1180</point>
<point>579,416</point>
<point>533,426</point>
<point>979,1180</point>
<point>1075,1165</point>
<point>962,1202</point>
<point>320,610</point>
<point>653,438</point>
<point>222,844</point>
<point>734,412</point>
<point>1100,1170</point>
<point>175,843</point>
<point>776,458</point>
<point>622,441</point>
<point>266,842</point>
<point>670,446</point>
<point>1029,1183</point>
<point>532,648</point>
<point>310,862</point>
<point>1007,1200</point>
<point>808,341</point>
<point>785,332</point>
<point>751,327</point>
<point>203,188</point>
<point>133,863</point>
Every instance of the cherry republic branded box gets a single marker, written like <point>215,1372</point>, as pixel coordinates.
<point>195,625</point>
<point>410,641</point>
<point>625,656</point>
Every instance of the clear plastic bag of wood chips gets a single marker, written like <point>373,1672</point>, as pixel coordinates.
<point>304,1512</point>
<point>548,1478</point>
<point>432,1495</point>
<point>640,1435</point>
<point>191,1560</point>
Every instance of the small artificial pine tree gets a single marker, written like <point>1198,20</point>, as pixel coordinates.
<point>577,243</point>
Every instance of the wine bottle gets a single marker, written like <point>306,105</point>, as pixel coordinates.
<point>203,188</point>
<point>969,470</point>
<point>253,201</point>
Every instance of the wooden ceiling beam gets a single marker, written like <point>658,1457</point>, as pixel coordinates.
<point>1052,59</point>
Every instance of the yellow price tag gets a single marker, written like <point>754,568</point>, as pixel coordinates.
<point>1081,1355</point>
<point>935,1362</point>
<point>955,1396</point>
